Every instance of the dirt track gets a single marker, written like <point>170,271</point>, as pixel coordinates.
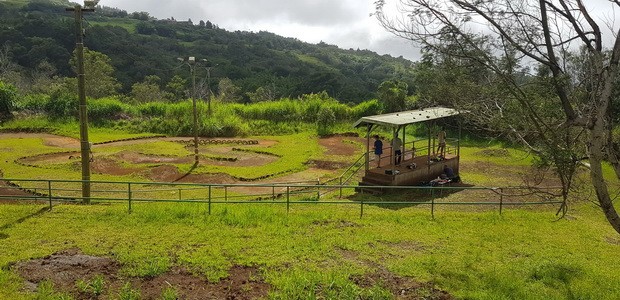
<point>219,154</point>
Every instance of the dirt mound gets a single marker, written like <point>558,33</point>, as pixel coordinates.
<point>167,173</point>
<point>401,287</point>
<point>104,165</point>
<point>340,145</point>
<point>328,165</point>
<point>494,152</point>
<point>66,268</point>
<point>139,158</point>
<point>49,158</point>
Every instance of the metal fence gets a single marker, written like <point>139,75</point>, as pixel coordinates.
<point>289,193</point>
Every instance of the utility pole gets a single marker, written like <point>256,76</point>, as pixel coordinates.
<point>209,93</point>
<point>89,6</point>
<point>209,89</point>
<point>191,62</point>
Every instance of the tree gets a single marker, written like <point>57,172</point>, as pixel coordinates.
<point>392,94</point>
<point>148,90</point>
<point>8,93</point>
<point>176,87</point>
<point>99,74</point>
<point>325,121</point>
<point>44,79</point>
<point>262,94</point>
<point>567,116</point>
<point>228,91</point>
<point>9,70</point>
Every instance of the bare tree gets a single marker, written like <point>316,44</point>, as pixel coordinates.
<point>542,33</point>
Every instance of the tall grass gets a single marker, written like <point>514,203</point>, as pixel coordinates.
<point>284,116</point>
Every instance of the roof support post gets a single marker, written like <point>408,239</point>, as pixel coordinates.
<point>428,152</point>
<point>367,159</point>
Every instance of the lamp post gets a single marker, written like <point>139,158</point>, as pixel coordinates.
<point>89,6</point>
<point>191,62</point>
<point>209,87</point>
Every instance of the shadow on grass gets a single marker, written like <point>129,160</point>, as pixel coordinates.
<point>194,166</point>
<point>408,198</point>
<point>24,218</point>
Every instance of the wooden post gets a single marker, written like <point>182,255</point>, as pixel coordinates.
<point>367,146</point>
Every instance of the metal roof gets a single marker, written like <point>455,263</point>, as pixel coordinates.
<point>408,117</point>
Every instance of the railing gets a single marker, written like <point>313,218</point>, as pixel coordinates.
<point>353,169</point>
<point>289,194</point>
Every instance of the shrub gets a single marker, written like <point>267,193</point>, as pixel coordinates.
<point>106,109</point>
<point>34,103</point>
<point>367,108</point>
<point>325,121</point>
<point>8,94</point>
<point>62,105</point>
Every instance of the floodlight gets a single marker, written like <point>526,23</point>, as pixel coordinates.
<point>191,59</point>
<point>91,3</point>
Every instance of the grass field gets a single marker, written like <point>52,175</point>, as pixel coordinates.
<point>322,251</point>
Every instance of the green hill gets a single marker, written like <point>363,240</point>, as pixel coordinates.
<point>140,45</point>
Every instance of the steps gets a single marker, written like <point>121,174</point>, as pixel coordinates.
<point>373,179</point>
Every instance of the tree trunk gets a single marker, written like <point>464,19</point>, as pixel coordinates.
<point>596,151</point>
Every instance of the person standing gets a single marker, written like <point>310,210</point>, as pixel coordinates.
<point>398,153</point>
<point>441,148</point>
<point>378,150</point>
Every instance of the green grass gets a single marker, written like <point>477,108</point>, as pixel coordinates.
<point>520,255</point>
<point>313,251</point>
<point>70,129</point>
<point>128,24</point>
<point>293,152</point>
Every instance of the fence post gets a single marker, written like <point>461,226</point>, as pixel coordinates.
<point>49,192</point>
<point>273,192</point>
<point>340,188</point>
<point>318,189</point>
<point>180,195</point>
<point>209,199</point>
<point>225,193</point>
<point>433,207</point>
<point>501,199</point>
<point>287,198</point>
<point>361,208</point>
<point>129,195</point>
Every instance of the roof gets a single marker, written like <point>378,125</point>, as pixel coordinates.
<point>408,117</point>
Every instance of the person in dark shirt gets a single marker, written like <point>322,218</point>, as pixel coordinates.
<point>448,172</point>
<point>378,150</point>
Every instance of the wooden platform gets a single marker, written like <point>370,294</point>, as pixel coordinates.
<point>424,171</point>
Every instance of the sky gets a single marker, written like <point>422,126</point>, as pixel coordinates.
<point>344,23</point>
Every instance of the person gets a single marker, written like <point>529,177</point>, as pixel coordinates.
<point>441,148</point>
<point>378,150</point>
<point>398,154</point>
<point>448,172</point>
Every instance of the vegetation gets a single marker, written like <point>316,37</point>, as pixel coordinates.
<point>474,255</point>
<point>136,45</point>
<point>561,106</point>
<point>287,93</point>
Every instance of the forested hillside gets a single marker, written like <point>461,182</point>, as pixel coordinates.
<point>38,37</point>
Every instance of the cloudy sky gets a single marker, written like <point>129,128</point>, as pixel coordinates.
<point>345,23</point>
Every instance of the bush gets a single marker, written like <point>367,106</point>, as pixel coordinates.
<point>367,108</point>
<point>8,94</point>
<point>325,121</point>
<point>62,105</point>
<point>35,103</point>
<point>103,110</point>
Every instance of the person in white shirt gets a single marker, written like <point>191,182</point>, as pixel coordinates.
<point>398,154</point>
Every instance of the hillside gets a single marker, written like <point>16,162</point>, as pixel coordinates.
<point>140,45</point>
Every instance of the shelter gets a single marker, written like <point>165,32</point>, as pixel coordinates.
<point>420,160</point>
